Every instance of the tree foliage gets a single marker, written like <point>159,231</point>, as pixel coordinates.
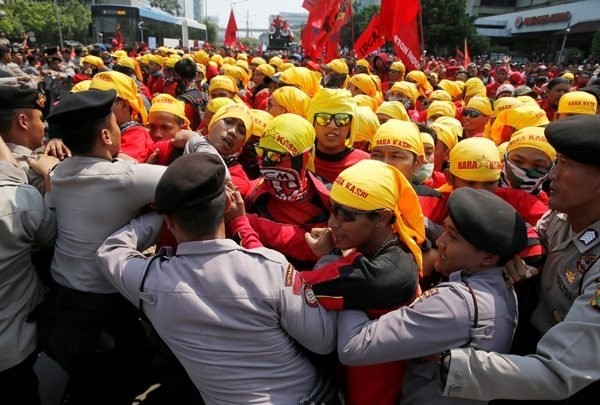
<point>170,6</point>
<point>211,31</point>
<point>40,17</point>
<point>445,25</point>
<point>596,45</point>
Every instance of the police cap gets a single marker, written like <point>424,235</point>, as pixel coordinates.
<point>81,110</point>
<point>189,181</point>
<point>487,222</point>
<point>16,97</point>
<point>576,137</point>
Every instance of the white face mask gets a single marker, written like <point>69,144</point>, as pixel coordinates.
<point>422,173</point>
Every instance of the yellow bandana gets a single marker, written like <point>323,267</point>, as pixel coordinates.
<point>260,120</point>
<point>443,108</point>
<point>126,89</point>
<point>450,87</point>
<point>518,118</point>
<point>399,134</point>
<point>266,69</point>
<point>577,102</point>
<point>481,104</point>
<point>505,103</point>
<point>222,82</point>
<point>294,100</point>
<point>440,95</point>
<point>291,134</point>
<point>475,159</point>
<point>367,124</point>
<point>81,86</point>
<point>407,89</point>
<point>235,110</point>
<point>334,101</point>
<point>393,109</point>
<point>216,103</point>
<point>531,137</point>
<point>448,130</point>
<point>364,82</point>
<point>355,187</point>
<point>169,104</point>
<point>92,60</point>
<point>303,78</point>
<point>362,100</point>
<point>422,83</point>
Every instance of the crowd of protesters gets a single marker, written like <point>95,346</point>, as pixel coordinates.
<point>216,223</point>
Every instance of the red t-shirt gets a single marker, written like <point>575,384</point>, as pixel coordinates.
<point>136,142</point>
<point>328,167</point>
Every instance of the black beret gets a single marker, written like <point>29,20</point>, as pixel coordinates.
<point>17,97</point>
<point>576,137</point>
<point>81,110</point>
<point>189,181</point>
<point>487,222</point>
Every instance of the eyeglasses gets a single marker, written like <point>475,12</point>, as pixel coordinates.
<point>346,215</point>
<point>269,155</point>
<point>340,119</point>
<point>471,113</point>
<point>396,71</point>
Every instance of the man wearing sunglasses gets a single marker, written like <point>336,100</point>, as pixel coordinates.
<point>476,116</point>
<point>332,113</point>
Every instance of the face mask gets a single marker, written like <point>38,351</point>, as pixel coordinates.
<point>422,173</point>
<point>524,179</point>
<point>285,184</point>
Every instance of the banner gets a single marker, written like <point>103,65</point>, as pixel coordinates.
<point>406,44</point>
<point>467,56</point>
<point>396,13</point>
<point>371,38</point>
<point>308,5</point>
<point>231,32</point>
<point>323,27</point>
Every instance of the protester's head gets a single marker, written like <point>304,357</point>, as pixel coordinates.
<point>556,88</point>
<point>398,143</point>
<point>21,121</point>
<point>391,110</point>
<point>475,163</point>
<point>576,103</point>
<point>361,207</point>
<point>129,103</point>
<point>288,99</point>
<point>476,115</point>
<point>332,111</point>
<point>166,117</point>
<point>191,195</point>
<point>86,124</point>
<point>286,153</point>
<point>222,86</point>
<point>481,231</point>
<point>229,129</point>
<point>447,130</point>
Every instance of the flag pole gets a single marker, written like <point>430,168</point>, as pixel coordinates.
<point>352,24</point>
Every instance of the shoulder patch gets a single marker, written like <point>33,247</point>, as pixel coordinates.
<point>309,296</point>
<point>289,276</point>
<point>588,236</point>
<point>429,293</point>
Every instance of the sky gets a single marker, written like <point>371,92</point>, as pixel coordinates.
<point>258,11</point>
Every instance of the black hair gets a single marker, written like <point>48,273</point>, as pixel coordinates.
<point>7,117</point>
<point>201,220</point>
<point>557,81</point>
<point>81,140</point>
<point>186,68</point>
<point>124,69</point>
<point>430,131</point>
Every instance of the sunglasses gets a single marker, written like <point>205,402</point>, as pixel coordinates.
<point>471,113</point>
<point>346,215</point>
<point>396,71</point>
<point>340,119</point>
<point>270,155</point>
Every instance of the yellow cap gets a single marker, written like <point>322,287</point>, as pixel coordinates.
<point>475,159</point>
<point>577,102</point>
<point>355,188</point>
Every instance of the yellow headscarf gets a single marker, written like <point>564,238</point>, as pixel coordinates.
<point>407,89</point>
<point>427,139</point>
<point>294,100</point>
<point>290,133</point>
<point>505,103</point>
<point>519,117</point>
<point>475,91</point>
<point>400,134</point>
<point>527,100</point>
<point>236,72</point>
<point>266,70</point>
<point>577,102</point>
<point>334,101</point>
<point>126,89</point>
<point>223,82</point>
<point>481,104</point>
<point>214,104</point>
<point>92,60</point>
<point>169,104</point>
<point>218,59</point>
<point>443,108</point>
<point>201,57</point>
<point>81,86</point>
<point>234,111</point>
<point>257,60</point>
<point>422,83</point>
<point>367,124</point>
<point>355,188</point>
<point>450,87</point>
<point>132,64</point>
<point>475,159</point>
<point>364,63</point>
<point>276,61</point>
<point>448,130</point>
<point>399,66</point>
<point>393,109</point>
<point>440,95</point>
<point>364,82</point>
<point>303,78</point>
<point>260,120</point>
<point>531,137</point>
<point>362,100</point>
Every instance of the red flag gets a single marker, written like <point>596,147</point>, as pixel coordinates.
<point>467,57</point>
<point>231,31</point>
<point>371,38</point>
<point>396,13</point>
<point>314,25</point>
<point>406,44</point>
<point>339,14</point>
<point>459,54</point>
<point>308,5</point>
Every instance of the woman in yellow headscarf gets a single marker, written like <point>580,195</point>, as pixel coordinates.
<point>288,99</point>
<point>367,126</point>
<point>376,218</point>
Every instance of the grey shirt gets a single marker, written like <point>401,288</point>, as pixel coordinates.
<point>568,314</point>
<point>93,197</point>
<point>440,319</point>
<point>233,317</point>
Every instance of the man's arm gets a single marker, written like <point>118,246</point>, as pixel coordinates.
<point>120,258</point>
<point>566,359</point>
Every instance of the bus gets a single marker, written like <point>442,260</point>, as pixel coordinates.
<point>151,26</point>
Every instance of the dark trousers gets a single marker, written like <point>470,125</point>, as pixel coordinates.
<point>19,384</point>
<point>99,341</point>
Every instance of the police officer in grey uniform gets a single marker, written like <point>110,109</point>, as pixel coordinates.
<point>233,317</point>
<point>475,308</point>
<point>567,361</point>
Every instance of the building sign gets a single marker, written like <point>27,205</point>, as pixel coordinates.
<point>542,19</point>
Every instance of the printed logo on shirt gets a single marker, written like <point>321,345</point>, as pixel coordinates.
<point>595,302</point>
<point>588,236</point>
<point>309,296</point>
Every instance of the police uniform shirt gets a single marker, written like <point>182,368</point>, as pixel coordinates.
<point>21,154</point>
<point>93,197</point>
<point>567,355</point>
<point>441,318</point>
<point>233,317</point>
<point>24,220</point>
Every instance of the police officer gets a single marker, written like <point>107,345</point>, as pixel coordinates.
<point>568,312</point>
<point>474,309</point>
<point>233,317</point>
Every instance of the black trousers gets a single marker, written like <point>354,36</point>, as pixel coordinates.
<point>19,384</point>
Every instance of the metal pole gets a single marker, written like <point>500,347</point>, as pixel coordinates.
<point>564,42</point>
<point>60,36</point>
